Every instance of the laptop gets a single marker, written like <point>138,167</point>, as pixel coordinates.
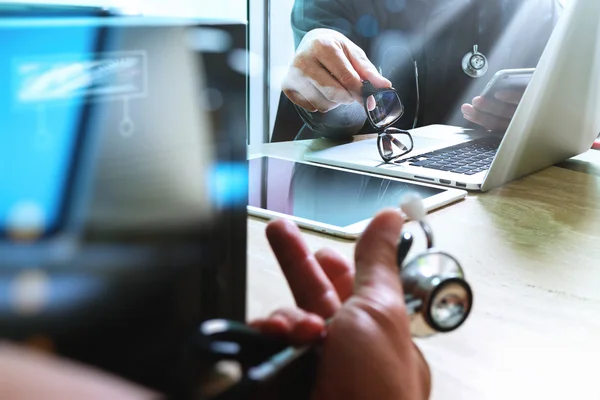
<point>557,118</point>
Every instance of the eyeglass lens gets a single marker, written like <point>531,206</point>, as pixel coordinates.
<point>393,145</point>
<point>384,108</point>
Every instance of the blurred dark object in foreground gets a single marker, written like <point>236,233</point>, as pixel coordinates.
<point>124,188</point>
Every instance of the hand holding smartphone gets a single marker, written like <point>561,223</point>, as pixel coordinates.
<point>507,80</point>
<point>494,108</point>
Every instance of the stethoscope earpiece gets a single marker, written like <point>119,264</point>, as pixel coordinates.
<point>474,63</point>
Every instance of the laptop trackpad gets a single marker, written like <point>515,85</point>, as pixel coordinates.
<point>423,143</point>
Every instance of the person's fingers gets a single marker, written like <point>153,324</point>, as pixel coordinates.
<point>257,323</point>
<point>375,254</point>
<point>329,87</point>
<point>299,89</point>
<point>274,325</point>
<point>328,70</point>
<point>316,103</point>
<point>292,324</point>
<point>467,110</point>
<point>337,63</point>
<point>494,107</point>
<point>366,70</point>
<point>488,121</point>
<point>509,96</point>
<point>309,284</point>
<point>331,71</point>
<point>339,270</point>
<point>309,77</point>
<point>371,103</point>
<point>302,325</point>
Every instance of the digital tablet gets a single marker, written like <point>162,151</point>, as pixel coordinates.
<point>331,200</point>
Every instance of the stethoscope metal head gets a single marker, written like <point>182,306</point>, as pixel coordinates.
<point>437,295</point>
<point>474,63</point>
<point>438,298</point>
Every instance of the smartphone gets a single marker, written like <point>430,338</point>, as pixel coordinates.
<point>328,199</point>
<point>508,79</point>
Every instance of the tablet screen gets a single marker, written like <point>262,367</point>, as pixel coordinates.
<point>326,195</point>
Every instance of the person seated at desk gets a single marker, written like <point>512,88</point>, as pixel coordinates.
<point>368,352</point>
<point>437,54</point>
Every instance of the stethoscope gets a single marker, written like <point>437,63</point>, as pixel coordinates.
<point>437,296</point>
<point>474,63</point>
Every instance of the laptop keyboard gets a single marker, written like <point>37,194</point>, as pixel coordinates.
<point>466,158</point>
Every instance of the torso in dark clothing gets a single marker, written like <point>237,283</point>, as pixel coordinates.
<point>436,34</point>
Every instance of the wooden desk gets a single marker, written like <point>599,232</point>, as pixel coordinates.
<point>531,251</point>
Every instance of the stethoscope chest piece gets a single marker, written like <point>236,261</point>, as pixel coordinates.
<point>437,289</point>
<point>438,298</point>
<point>474,63</point>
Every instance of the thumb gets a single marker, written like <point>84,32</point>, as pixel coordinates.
<point>376,254</point>
<point>365,69</point>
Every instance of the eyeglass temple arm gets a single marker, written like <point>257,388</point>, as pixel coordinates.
<point>368,89</point>
<point>398,143</point>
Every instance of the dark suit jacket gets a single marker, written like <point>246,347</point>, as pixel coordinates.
<point>434,33</point>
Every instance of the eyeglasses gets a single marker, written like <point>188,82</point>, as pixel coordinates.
<point>383,108</point>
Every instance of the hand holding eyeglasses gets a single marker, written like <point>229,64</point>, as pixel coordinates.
<point>383,108</point>
<point>327,71</point>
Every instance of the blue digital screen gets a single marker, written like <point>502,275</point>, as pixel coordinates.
<point>42,100</point>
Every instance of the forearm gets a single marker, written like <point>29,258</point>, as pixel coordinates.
<point>341,122</point>
<point>26,373</point>
<point>338,15</point>
<point>331,14</point>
